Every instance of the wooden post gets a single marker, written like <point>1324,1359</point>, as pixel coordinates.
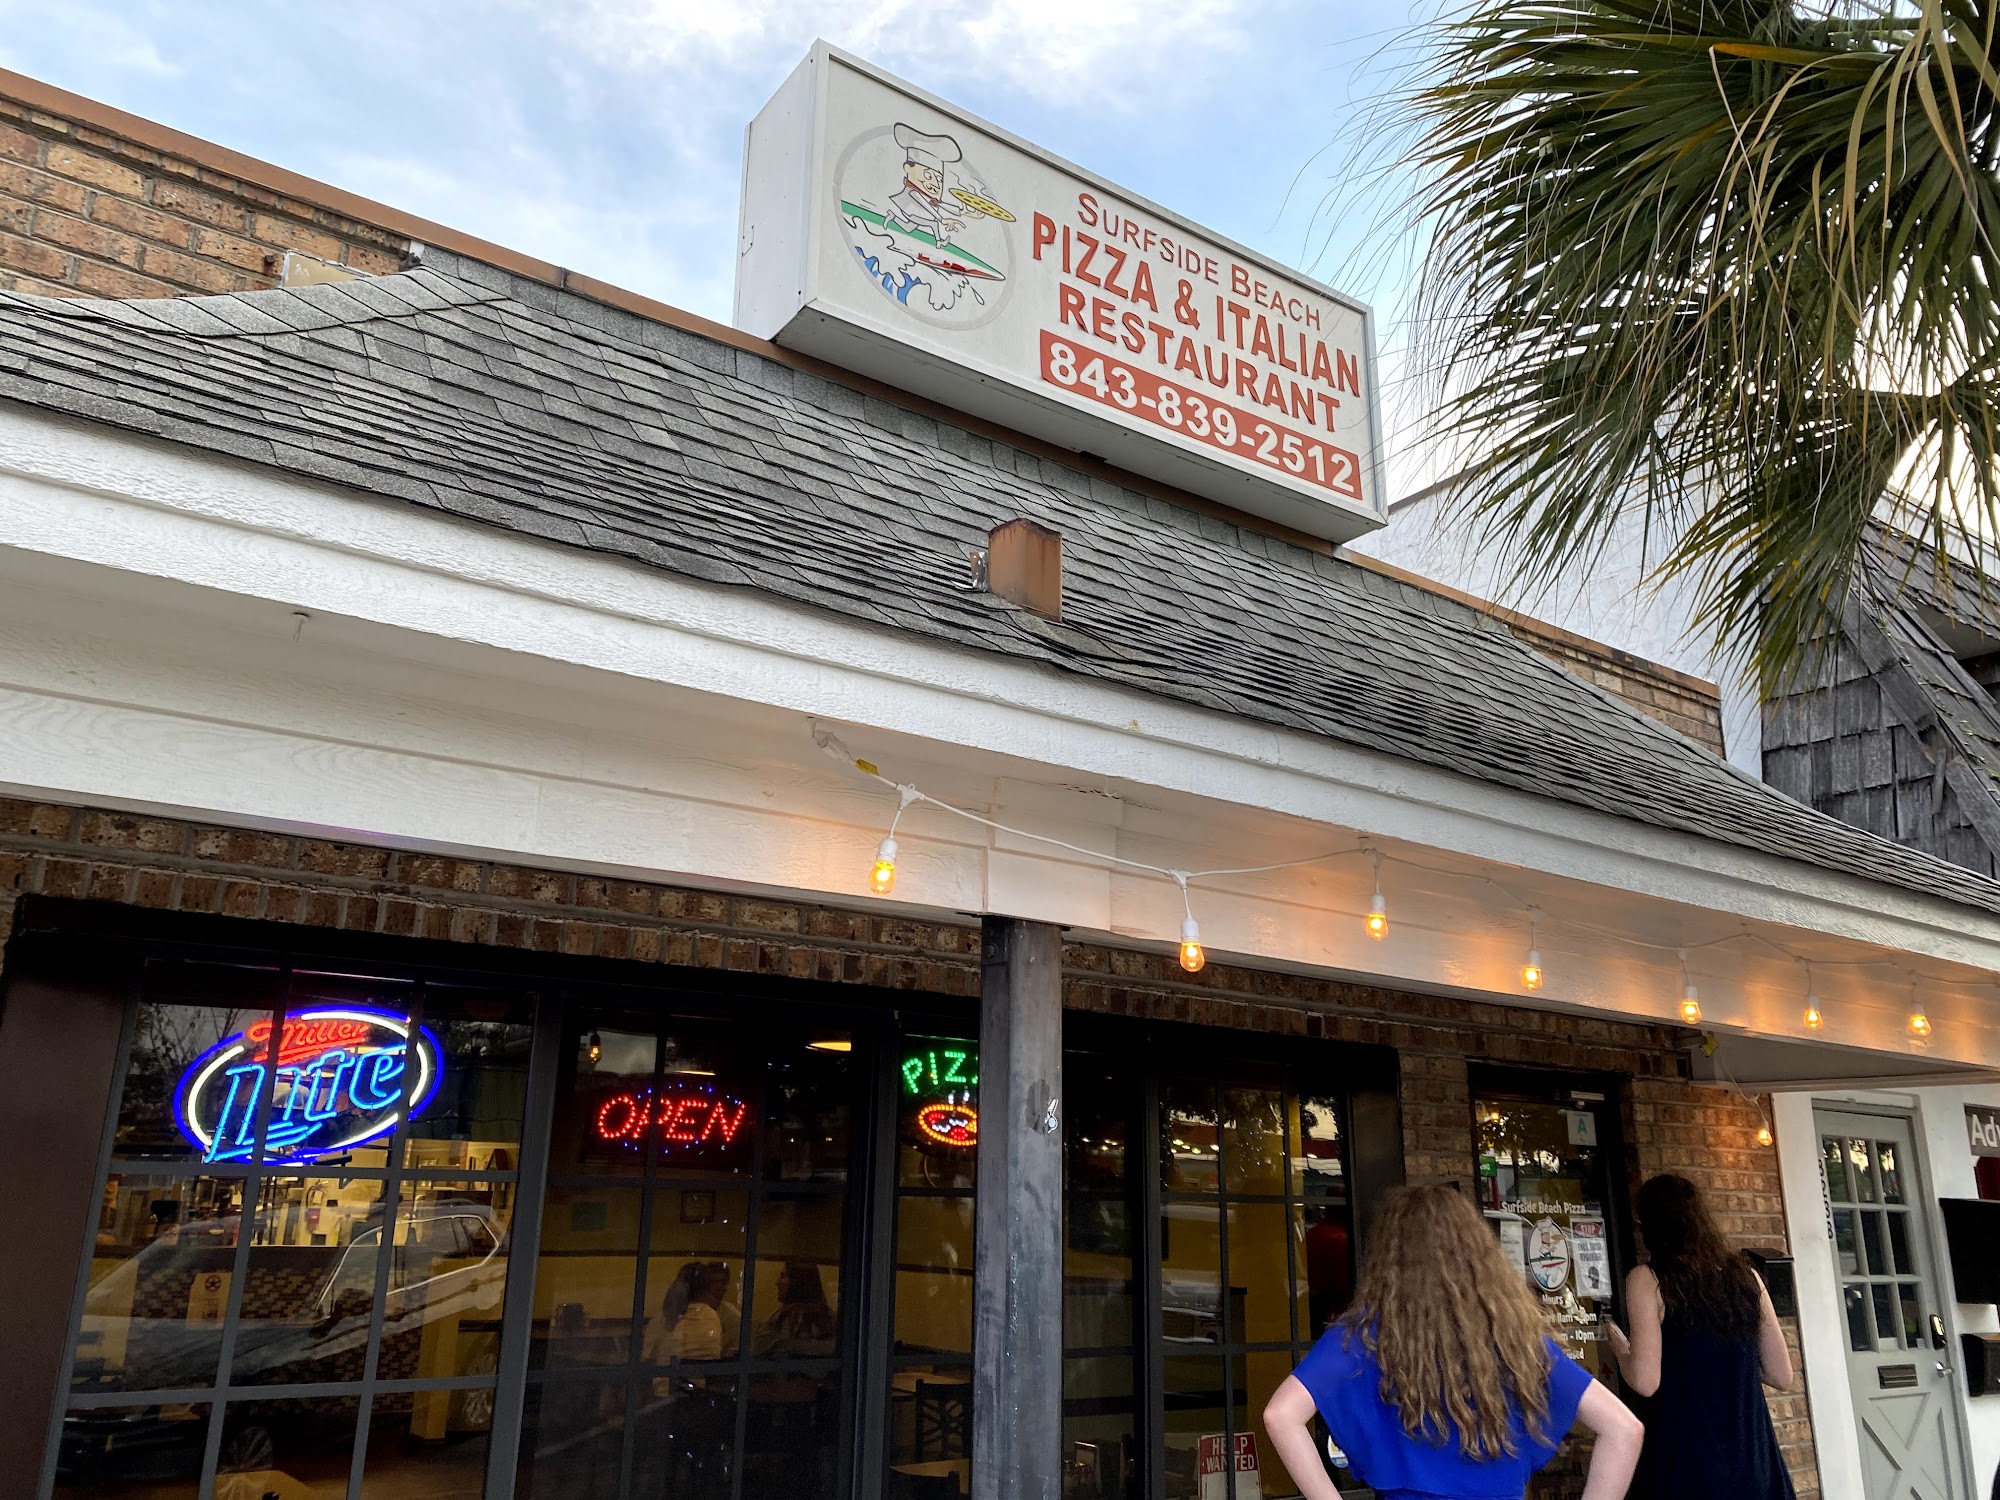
<point>1017,1289</point>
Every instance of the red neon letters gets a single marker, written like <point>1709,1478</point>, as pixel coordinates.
<point>683,1117</point>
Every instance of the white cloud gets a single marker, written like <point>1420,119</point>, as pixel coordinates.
<point>1048,50</point>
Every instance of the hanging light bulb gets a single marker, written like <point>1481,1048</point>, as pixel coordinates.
<point>882,878</point>
<point>1763,1135</point>
<point>1920,1024</point>
<point>1192,958</point>
<point>594,1049</point>
<point>1813,1019</point>
<point>1531,971</point>
<point>1690,999</point>
<point>1378,912</point>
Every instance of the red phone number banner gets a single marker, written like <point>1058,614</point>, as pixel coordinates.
<point>1194,414</point>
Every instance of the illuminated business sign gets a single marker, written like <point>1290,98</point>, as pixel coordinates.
<point>945,1077</point>
<point>682,1117</point>
<point>337,1079</point>
<point>889,232</point>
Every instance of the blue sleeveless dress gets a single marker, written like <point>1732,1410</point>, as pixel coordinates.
<point>1346,1386</point>
<point>1708,1431</point>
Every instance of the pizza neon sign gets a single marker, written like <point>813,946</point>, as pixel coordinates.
<point>337,1078</point>
<point>682,1115</point>
<point>947,1078</point>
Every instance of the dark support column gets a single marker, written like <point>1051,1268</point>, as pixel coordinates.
<point>1017,1297</point>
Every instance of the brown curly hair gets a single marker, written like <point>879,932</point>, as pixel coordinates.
<point>1459,1337</point>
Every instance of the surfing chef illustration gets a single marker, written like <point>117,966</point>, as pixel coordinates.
<point>911,203</point>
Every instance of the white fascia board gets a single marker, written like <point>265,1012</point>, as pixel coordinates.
<point>78,491</point>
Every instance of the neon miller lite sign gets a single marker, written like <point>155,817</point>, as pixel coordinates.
<point>340,1081</point>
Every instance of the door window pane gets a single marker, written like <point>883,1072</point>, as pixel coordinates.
<point>1860,1336</point>
<point>586,1277</point>
<point>474,1121</point>
<point>1858,1160</point>
<point>428,1444</point>
<point>447,1281</point>
<point>1265,1373</point>
<point>1326,1266</point>
<point>572,1440</point>
<point>131,1453</point>
<point>934,1275</point>
<point>1899,1243</point>
<point>684,1437</point>
<point>930,1431</point>
<point>309,1287</point>
<point>160,1277</point>
<point>1873,1261</point>
<point>1913,1314</point>
<point>1888,1320</point>
<point>811,1085</point>
<point>694,1282</point>
<point>1843,1242</point>
<point>604,1113</point>
<point>1321,1163</point>
<point>1260,1273</point>
<point>1098,1302</point>
<point>192,1087</point>
<point>1191,1273</point>
<point>1253,1139</point>
<point>300,1448</point>
<point>1099,1425</point>
<point>1194,1399</point>
<point>1188,1136</point>
<point>937,1112</point>
<point>1833,1157</point>
<point>791,1437</point>
<point>796,1296</point>
<point>1889,1163</point>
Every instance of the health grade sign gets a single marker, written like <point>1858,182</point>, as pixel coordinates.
<point>887,232</point>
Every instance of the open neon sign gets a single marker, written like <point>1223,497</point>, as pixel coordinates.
<point>690,1117</point>
<point>341,1080</point>
<point>948,1078</point>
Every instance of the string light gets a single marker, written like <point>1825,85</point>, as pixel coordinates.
<point>1193,957</point>
<point>1763,1135</point>
<point>1920,1024</point>
<point>1690,1000</point>
<point>1531,971</point>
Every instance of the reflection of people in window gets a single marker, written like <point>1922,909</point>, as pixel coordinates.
<point>1329,1269</point>
<point>803,1324</point>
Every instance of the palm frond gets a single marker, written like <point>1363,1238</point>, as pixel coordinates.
<point>1731,263</point>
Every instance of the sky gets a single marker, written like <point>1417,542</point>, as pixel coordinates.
<point>606,135</point>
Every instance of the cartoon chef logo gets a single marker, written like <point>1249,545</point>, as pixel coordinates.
<point>924,226</point>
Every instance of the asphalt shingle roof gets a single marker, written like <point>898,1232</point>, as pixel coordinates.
<point>499,399</point>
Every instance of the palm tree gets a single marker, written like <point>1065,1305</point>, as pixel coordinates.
<point>1730,262</point>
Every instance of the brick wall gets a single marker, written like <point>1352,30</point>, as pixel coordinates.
<point>84,213</point>
<point>1692,707</point>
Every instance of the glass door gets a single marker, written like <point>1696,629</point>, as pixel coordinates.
<point>1550,1183</point>
<point>1208,1240</point>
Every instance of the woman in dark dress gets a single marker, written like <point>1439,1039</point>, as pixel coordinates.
<point>1704,1343</point>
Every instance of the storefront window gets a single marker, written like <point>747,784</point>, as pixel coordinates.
<point>930,1366</point>
<point>275,1243</point>
<point>688,1293</point>
<point>1545,1178</point>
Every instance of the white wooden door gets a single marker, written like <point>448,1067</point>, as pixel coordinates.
<point>1904,1383</point>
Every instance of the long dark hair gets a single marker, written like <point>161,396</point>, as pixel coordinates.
<point>1701,1276</point>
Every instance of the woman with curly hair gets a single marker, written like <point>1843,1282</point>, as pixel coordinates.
<point>1441,1379</point>
<point>1703,1338</point>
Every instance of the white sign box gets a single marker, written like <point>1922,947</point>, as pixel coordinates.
<point>889,233</point>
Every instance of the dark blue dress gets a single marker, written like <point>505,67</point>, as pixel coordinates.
<point>1346,1386</point>
<point>1708,1431</point>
